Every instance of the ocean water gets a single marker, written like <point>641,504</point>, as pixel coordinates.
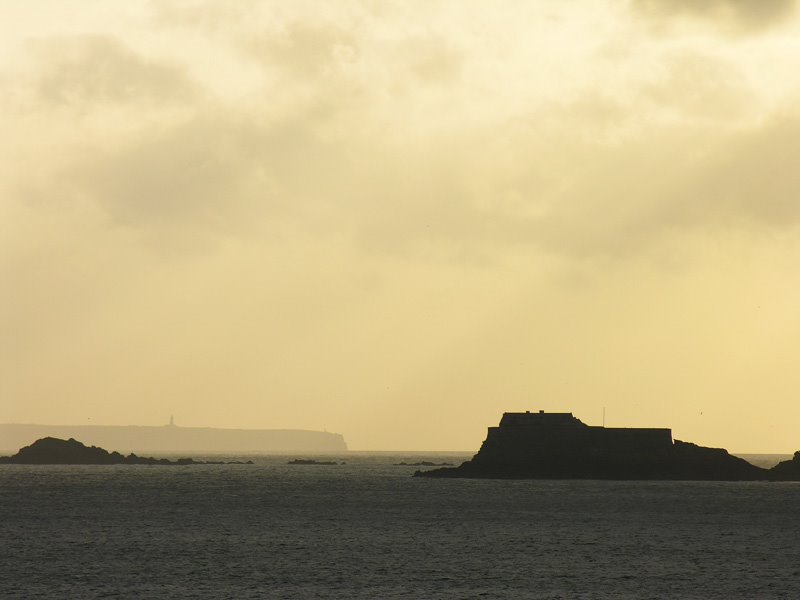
<point>367,529</point>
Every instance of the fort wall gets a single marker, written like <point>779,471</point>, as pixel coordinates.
<point>529,436</point>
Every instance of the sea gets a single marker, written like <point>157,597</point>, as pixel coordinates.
<point>368,529</point>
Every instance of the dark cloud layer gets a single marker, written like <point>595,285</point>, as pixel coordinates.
<point>230,176</point>
<point>753,182</point>
<point>84,70</point>
<point>732,15</point>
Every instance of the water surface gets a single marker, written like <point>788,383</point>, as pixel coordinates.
<point>368,530</point>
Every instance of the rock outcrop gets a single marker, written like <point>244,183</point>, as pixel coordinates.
<point>559,446</point>
<point>54,451</point>
<point>788,470</point>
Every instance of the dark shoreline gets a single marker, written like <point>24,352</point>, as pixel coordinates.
<point>54,451</point>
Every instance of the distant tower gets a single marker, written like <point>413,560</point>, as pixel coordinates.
<point>171,421</point>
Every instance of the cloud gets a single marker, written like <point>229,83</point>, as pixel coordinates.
<point>558,192</point>
<point>83,71</point>
<point>339,146</point>
<point>209,16</point>
<point>694,85</point>
<point>198,173</point>
<point>676,184</point>
<point>752,182</point>
<point>305,48</point>
<point>740,16</point>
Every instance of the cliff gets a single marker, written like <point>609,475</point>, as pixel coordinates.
<point>172,439</point>
<point>53,451</point>
<point>559,446</point>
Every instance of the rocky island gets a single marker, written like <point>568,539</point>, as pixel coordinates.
<point>541,445</point>
<point>54,451</point>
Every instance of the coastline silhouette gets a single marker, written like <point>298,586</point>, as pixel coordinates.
<point>172,438</point>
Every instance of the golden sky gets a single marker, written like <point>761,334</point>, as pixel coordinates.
<point>396,220</point>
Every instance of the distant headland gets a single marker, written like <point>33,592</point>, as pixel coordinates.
<point>53,451</point>
<point>542,445</point>
<point>172,438</point>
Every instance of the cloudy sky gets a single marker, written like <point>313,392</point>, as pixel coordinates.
<point>396,220</point>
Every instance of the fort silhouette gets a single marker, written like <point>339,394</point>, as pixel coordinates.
<point>540,445</point>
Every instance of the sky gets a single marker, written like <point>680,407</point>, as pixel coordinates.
<point>397,220</point>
